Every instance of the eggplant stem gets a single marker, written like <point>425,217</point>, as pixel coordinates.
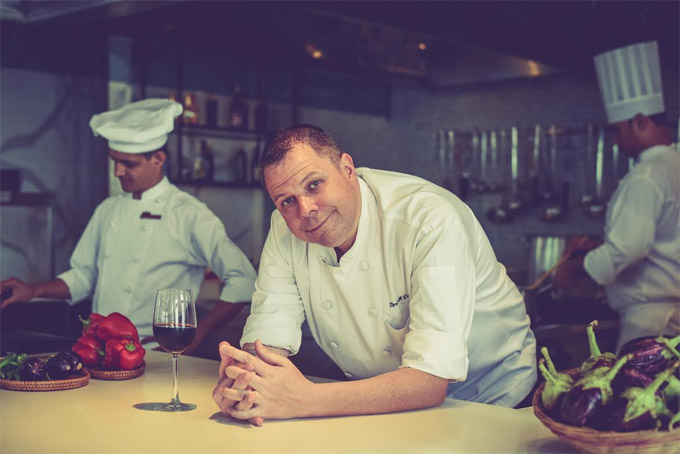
<point>592,341</point>
<point>548,359</point>
<point>616,367</point>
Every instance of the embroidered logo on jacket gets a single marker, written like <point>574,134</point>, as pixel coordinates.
<point>400,299</point>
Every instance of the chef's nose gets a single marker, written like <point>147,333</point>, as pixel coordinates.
<point>307,206</point>
<point>118,169</point>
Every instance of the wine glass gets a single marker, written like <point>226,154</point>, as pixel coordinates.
<point>174,326</point>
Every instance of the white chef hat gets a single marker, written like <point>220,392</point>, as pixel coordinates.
<point>630,81</point>
<point>138,127</point>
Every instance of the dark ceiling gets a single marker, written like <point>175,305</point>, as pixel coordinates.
<point>383,34</point>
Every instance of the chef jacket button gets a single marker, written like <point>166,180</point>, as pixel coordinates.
<point>327,304</point>
<point>128,289</point>
<point>373,312</point>
<point>363,266</point>
<point>348,375</point>
<point>386,353</point>
<point>334,345</point>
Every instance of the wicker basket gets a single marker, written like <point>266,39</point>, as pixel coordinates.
<point>591,440</point>
<point>102,374</point>
<point>47,385</point>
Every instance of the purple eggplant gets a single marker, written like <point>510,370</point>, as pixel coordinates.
<point>581,405</point>
<point>671,394</point>
<point>556,384</point>
<point>651,354</point>
<point>643,406</point>
<point>629,377</point>
<point>597,358</point>
<point>33,369</point>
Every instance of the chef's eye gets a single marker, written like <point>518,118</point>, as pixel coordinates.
<point>314,184</point>
<point>286,202</point>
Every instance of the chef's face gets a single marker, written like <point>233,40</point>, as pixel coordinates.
<point>137,172</point>
<point>318,198</point>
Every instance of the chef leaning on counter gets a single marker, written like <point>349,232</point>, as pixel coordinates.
<point>399,285</point>
<point>639,261</point>
<point>150,237</point>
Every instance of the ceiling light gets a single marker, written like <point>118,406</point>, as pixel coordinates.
<point>422,46</point>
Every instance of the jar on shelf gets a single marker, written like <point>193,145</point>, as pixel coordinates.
<point>190,115</point>
<point>241,164</point>
<point>238,111</point>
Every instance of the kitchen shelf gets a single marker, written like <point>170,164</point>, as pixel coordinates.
<point>226,133</point>
<point>218,184</point>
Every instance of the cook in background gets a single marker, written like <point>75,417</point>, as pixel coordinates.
<point>150,237</point>
<point>639,261</point>
<point>399,285</point>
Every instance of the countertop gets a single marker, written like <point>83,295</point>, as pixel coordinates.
<point>102,417</point>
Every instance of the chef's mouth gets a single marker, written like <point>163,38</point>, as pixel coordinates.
<point>318,226</point>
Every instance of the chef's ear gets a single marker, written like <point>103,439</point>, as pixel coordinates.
<point>159,157</point>
<point>640,122</point>
<point>347,165</point>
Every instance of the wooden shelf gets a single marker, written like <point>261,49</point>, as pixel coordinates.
<point>218,184</point>
<point>226,133</point>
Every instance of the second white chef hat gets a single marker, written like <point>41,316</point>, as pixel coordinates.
<point>630,81</point>
<point>138,127</point>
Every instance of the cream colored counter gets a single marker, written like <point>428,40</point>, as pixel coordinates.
<point>101,417</point>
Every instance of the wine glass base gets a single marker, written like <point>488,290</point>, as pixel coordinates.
<point>175,406</point>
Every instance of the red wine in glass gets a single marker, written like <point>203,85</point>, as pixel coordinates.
<point>174,325</point>
<point>174,338</point>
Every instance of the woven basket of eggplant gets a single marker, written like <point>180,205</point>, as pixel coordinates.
<point>615,403</point>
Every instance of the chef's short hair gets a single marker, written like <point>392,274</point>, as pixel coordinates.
<point>284,141</point>
<point>149,154</point>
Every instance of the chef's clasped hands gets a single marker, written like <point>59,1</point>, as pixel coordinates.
<point>257,387</point>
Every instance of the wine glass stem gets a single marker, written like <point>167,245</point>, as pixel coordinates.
<point>175,386</point>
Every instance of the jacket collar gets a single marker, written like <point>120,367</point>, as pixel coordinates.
<point>153,192</point>
<point>656,150</point>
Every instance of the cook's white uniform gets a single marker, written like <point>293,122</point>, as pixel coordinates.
<point>639,262</point>
<point>124,258</point>
<point>420,287</point>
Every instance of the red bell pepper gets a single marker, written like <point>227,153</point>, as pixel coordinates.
<point>116,325</point>
<point>89,349</point>
<point>123,354</point>
<point>91,324</point>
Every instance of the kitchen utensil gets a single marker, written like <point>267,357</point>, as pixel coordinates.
<point>447,163</point>
<point>483,184</point>
<point>507,211</point>
<point>557,212</point>
<point>596,208</point>
<point>475,162</point>
<point>493,168</point>
<point>549,193</point>
<point>587,195</point>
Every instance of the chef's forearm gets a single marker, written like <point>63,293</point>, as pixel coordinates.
<point>400,390</point>
<point>55,288</point>
<point>250,348</point>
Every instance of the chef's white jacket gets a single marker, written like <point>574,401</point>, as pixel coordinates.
<point>124,257</point>
<point>639,262</point>
<point>420,287</point>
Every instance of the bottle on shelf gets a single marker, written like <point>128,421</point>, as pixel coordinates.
<point>241,166</point>
<point>255,164</point>
<point>209,160</point>
<point>190,115</point>
<point>200,166</point>
<point>260,115</point>
<point>238,111</point>
<point>211,105</point>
